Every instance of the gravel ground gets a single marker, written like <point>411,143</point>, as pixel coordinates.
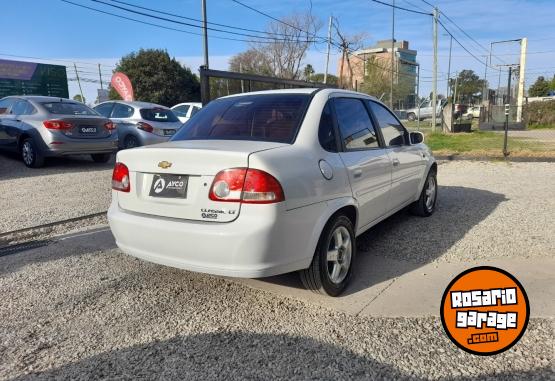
<point>485,210</point>
<point>79,313</point>
<point>65,188</point>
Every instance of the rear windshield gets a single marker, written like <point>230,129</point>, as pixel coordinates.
<point>158,115</point>
<point>272,118</point>
<point>68,108</point>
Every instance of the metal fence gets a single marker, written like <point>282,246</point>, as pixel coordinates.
<point>217,83</point>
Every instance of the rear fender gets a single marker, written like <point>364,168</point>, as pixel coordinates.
<point>333,207</point>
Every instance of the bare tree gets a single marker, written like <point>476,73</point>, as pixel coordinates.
<point>347,44</point>
<point>294,35</point>
<point>251,61</point>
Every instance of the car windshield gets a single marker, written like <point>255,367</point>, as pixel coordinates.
<point>68,108</point>
<point>273,118</point>
<point>158,115</point>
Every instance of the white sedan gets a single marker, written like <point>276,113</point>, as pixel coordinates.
<point>185,111</point>
<point>271,182</point>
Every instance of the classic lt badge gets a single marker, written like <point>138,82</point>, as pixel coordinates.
<point>164,164</point>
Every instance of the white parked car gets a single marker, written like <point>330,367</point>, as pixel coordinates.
<point>184,111</point>
<point>265,183</point>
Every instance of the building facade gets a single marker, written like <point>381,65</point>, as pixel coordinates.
<point>404,69</point>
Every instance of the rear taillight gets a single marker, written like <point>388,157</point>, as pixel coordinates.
<point>57,125</point>
<point>145,127</point>
<point>109,126</point>
<point>251,186</point>
<point>120,178</point>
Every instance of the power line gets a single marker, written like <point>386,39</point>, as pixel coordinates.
<point>194,19</point>
<point>157,25</point>
<point>189,24</point>
<point>55,60</point>
<point>402,8</point>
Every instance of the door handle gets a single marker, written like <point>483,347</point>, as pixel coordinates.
<point>357,173</point>
<point>395,162</point>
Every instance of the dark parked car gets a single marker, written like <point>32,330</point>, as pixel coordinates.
<point>38,127</point>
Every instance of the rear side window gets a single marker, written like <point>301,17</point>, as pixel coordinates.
<point>273,118</point>
<point>355,124</point>
<point>5,105</point>
<point>181,110</point>
<point>22,107</point>
<point>392,130</point>
<point>68,108</point>
<point>104,109</point>
<point>158,115</point>
<point>195,110</point>
<point>122,111</point>
<point>326,131</point>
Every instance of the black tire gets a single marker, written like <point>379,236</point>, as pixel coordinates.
<point>411,116</point>
<point>101,157</point>
<point>131,142</point>
<point>30,154</point>
<point>423,207</point>
<point>317,277</point>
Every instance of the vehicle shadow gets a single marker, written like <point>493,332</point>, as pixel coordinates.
<point>410,242</point>
<point>11,166</point>
<point>243,355</point>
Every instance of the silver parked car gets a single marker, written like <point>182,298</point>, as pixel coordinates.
<point>38,127</point>
<point>140,123</point>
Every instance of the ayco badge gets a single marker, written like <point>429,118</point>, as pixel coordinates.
<point>164,164</point>
<point>485,310</point>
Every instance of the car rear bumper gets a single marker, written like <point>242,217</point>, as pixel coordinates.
<point>147,138</point>
<point>80,147</point>
<point>263,241</point>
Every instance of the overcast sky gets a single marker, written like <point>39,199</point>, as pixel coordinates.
<point>55,30</point>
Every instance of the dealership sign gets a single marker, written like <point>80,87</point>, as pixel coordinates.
<point>123,86</point>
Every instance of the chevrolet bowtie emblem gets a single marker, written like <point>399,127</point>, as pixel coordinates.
<point>164,164</point>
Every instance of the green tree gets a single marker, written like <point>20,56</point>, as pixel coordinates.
<point>158,78</point>
<point>319,77</point>
<point>377,82</point>
<point>540,88</point>
<point>251,61</point>
<point>469,86</point>
<point>78,98</point>
<point>308,72</point>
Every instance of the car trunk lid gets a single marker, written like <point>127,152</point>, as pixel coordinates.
<point>190,165</point>
<point>86,127</point>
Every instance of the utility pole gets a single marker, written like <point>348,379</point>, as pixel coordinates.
<point>507,112</point>
<point>100,75</point>
<point>392,53</point>
<point>449,66</point>
<point>520,99</point>
<point>328,53</point>
<point>434,73</point>
<point>204,33</point>
<point>418,97</point>
<point>79,82</point>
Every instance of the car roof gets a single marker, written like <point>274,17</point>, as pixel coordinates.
<point>139,104</point>
<point>188,104</point>
<point>42,98</point>
<point>308,90</point>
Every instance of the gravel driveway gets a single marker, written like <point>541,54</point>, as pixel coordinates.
<point>80,313</point>
<point>64,188</point>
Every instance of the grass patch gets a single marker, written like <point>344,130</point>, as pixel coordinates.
<point>539,126</point>
<point>486,144</point>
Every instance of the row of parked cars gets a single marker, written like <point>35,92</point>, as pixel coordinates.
<point>38,127</point>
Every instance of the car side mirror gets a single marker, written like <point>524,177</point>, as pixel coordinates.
<point>416,137</point>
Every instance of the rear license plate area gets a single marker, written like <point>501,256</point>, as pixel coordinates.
<point>169,186</point>
<point>88,130</point>
<point>168,132</point>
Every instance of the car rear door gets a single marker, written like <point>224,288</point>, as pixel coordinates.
<point>6,122</point>
<point>366,160</point>
<point>408,160</point>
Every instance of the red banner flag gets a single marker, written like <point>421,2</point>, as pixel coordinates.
<point>123,86</point>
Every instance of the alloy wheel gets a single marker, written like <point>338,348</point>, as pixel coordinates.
<point>431,193</point>
<point>27,152</point>
<point>339,255</point>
